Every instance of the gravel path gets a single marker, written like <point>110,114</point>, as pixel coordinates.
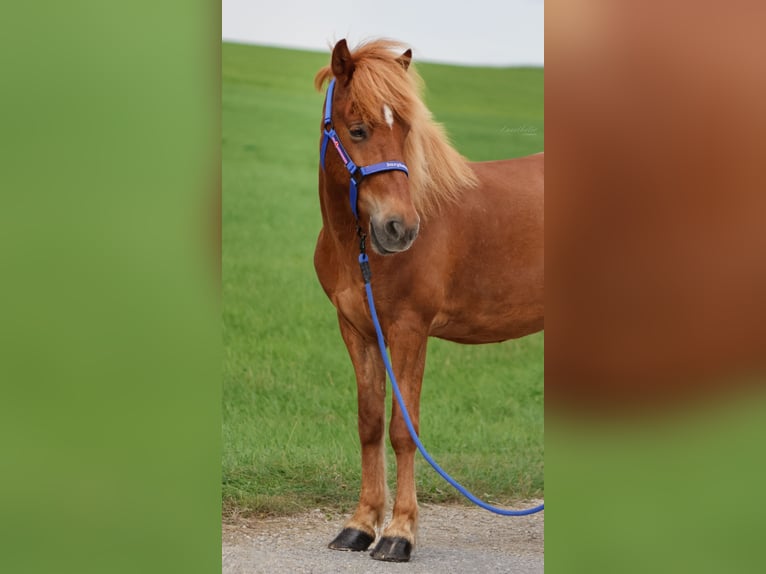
<point>452,539</point>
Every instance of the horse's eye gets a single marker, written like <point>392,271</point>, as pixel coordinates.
<point>358,133</point>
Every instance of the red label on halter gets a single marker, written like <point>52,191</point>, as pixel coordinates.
<point>336,143</point>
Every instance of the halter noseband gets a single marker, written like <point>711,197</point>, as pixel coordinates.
<point>358,173</point>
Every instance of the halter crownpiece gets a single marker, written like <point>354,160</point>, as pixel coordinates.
<point>358,173</point>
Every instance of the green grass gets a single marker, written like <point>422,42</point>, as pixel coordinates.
<point>289,397</point>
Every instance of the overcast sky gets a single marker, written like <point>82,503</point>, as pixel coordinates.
<point>491,32</point>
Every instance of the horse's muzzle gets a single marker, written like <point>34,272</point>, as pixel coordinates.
<point>392,235</point>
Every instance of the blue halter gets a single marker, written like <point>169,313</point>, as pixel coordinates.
<point>358,173</point>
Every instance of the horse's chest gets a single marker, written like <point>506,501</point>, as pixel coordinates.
<point>350,303</point>
<point>345,293</point>
<point>349,300</point>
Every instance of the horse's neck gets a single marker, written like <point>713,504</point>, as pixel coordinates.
<point>337,218</point>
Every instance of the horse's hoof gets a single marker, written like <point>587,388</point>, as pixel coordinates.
<point>395,549</point>
<point>352,539</point>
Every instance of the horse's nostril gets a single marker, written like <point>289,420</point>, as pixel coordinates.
<point>395,229</point>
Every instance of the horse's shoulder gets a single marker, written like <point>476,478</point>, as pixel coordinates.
<point>325,263</point>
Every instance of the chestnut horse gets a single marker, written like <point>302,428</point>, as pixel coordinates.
<point>456,253</point>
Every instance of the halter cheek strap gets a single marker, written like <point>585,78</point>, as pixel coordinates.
<point>357,173</point>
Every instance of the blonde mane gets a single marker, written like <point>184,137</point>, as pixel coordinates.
<point>437,172</point>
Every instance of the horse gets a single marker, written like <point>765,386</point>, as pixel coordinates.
<point>456,253</point>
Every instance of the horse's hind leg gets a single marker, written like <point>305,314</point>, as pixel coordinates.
<point>359,532</point>
<point>408,355</point>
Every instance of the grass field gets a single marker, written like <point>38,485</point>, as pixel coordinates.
<point>289,397</point>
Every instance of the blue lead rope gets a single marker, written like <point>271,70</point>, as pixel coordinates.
<point>366,273</point>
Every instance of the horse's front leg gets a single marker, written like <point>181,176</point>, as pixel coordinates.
<point>408,356</point>
<point>359,532</point>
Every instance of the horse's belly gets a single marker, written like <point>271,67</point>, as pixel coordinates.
<point>488,327</point>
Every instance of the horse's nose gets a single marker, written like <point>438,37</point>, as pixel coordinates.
<point>398,231</point>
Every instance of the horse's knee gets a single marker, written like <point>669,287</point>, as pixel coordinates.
<point>370,434</point>
<point>400,436</point>
<point>371,428</point>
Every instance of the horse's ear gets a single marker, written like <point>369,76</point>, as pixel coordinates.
<point>342,64</point>
<point>405,59</point>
